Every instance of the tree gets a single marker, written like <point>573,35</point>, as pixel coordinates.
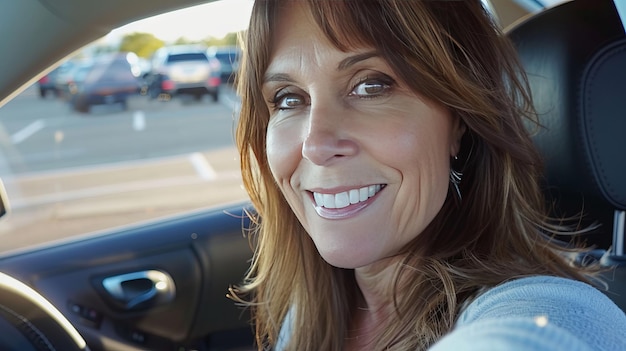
<point>230,39</point>
<point>142,44</point>
<point>184,41</point>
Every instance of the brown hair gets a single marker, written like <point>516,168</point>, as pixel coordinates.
<point>450,52</point>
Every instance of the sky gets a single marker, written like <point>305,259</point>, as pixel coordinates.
<point>214,19</point>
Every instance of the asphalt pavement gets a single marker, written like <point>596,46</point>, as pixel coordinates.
<point>69,174</point>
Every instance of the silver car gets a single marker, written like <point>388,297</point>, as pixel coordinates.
<point>184,69</point>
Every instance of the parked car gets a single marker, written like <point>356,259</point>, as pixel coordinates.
<point>161,283</point>
<point>111,79</point>
<point>184,69</point>
<point>68,81</point>
<point>47,83</point>
<point>229,60</point>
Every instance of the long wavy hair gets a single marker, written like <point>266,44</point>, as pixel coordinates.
<point>453,53</point>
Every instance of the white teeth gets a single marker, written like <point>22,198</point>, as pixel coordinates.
<point>363,194</point>
<point>354,196</point>
<point>329,201</point>
<point>319,198</point>
<point>372,190</point>
<point>343,199</point>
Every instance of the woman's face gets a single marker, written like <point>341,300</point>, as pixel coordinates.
<point>362,160</point>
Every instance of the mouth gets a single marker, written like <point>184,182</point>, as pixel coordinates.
<point>346,198</point>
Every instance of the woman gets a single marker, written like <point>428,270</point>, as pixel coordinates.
<point>383,146</point>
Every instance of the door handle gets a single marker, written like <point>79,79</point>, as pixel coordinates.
<point>136,290</point>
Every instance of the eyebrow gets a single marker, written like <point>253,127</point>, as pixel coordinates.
<point>277,77</point>
<point>352,60</point>
<point>343,64</point>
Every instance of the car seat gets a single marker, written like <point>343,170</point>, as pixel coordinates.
<point>575,58</point>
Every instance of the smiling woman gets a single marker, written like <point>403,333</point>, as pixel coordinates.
<point>342,124</point>
<point>395,187</point>
<point>383,144</point>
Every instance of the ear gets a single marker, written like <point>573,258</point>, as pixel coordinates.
<point>457,131</point>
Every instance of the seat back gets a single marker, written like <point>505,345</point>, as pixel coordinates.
<point>575,58</point>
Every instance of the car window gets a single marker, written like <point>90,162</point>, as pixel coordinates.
<point>80,73</point>
<point>187,57</point>
<point>77,158</point>
<point>111,70</point>
<point>225,57</point>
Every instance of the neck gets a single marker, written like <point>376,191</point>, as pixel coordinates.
<point>375,283</point>
<point>375,305</point>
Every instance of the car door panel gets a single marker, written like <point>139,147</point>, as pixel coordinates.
<point>201,252</point>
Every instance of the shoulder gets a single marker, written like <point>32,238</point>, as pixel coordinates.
<point>542,296</point>
<point>285,330</point>
<point>539,313</point>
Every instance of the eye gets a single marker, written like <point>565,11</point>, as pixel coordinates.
<point>369,88</point>
<point>287,101</point>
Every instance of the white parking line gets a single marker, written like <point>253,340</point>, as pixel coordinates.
<point>27,131</point>
<point>139,120</point>
<point>105,190</point>
<point>202,166</point>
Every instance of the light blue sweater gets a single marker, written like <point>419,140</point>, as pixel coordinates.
<point>536,314</point>
<point>531,314</point>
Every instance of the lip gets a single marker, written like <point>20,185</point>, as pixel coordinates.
<point>344,212</point>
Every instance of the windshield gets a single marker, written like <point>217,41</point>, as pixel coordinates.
<point>197,56</point>
<point>227,57</point>
<point>77,159</point>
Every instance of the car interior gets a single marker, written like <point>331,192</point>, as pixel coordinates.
<point>161,284</point>
<point>573,55</point>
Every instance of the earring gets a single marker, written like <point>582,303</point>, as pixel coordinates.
<point>455,180</point>
<point>457,168</point>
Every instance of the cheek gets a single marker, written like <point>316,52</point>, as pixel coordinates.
<point>416,147</point>
<point>420,155</point>
<point>423,162</point>
<point>284,149</point>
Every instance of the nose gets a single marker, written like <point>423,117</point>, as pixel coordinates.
<point>329,137</point>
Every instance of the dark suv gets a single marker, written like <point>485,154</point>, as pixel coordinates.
<point>184,69</point>
<point>229,60</point>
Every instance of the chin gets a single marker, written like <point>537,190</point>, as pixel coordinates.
<point>346,258</point>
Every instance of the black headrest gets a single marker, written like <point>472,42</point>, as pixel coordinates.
<point>575,58</point>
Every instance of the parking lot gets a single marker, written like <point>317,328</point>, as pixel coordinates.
<point>68,173</point>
